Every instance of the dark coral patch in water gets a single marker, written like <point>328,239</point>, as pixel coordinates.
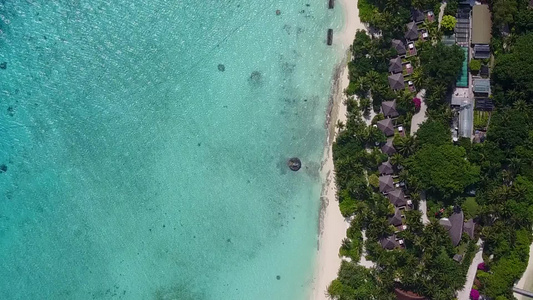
<point>256,77</point>
<point>294,164</point>
<point>221,67</point>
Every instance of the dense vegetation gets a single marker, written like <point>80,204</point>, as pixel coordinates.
<point>491,181</point>
<point>442,170</point>
<point>513,72</point>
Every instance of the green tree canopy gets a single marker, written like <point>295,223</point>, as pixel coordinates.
<point>503,11</point>
<point>474,65</point>
<point>508,128</point>
<point>442,169</point>
<point>434,133</point>
<point>353,282</point>
<point>514,71</point>
<point>524,21</point>
<point>442,63</point>
<point>448,22</point>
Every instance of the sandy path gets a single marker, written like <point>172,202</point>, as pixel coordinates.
<point>420,116</point>
<point>332,224</point>
<point>527,278</point>
<point>464,294</point>
<point>423,207</point>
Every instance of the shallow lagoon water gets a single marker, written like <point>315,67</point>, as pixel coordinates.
<point>137,169</point>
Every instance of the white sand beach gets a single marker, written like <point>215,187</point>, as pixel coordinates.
<point>332,224</point>
<point>526,282</point>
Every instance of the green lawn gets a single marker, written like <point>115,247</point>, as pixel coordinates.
<point>480,119</point>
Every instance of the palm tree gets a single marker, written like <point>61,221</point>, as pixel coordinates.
<point>405,145</point>
<point>396,159</point>
<point>520,104</point>
<point>433,30</point>
<point>404,96</point>
<point>439,90</point>
<point>362,82</point>
<point>515,164</point>
<point>340,125</point>
<point>391,6</point>
<point>507,177</point>
<point>518,191</point>
<point>372,77</point>
<point>364,105</point>
<point>403,175</point>
<point>515,95</point>
<point>418,78</point>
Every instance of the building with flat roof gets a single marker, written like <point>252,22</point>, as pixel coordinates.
<point>460,96</point>
<point>481,24</point>
<point>481,86</point>
<point>481,51</point>
<point>466,119</point>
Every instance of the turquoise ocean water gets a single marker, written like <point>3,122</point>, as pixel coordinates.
<point>137,170</point>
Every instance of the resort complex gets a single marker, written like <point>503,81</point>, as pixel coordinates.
<point>433,162</point>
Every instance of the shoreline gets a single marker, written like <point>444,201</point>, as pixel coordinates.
<point>332,225</point>
<point>527,276</point>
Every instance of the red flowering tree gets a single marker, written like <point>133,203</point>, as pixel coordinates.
<point>482,267</point>
<point>417,103</point>
<point>474,294</point>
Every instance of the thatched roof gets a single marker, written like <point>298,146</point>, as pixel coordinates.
<point>397,197</point>
<point>389,243</point>
<point>389,108</point>
<point>395,65</point>
<point>417,15</point>
<point>412,31</point>
<point>468,228</point>
<point>396,219</point>
<point>396,81</point>
<point>386,184</point>
<point>456,230</point>
<point>399,47</point>
<point>386,127</point>
<point>388,148</point>
<point>385,168</point>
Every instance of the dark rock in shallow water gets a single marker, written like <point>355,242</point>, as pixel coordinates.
<point>278,277</point>
<point>3,168</point>
<point>3,65</point>
<point>255,77</point>
<point>294,164</point>
<point>221,67</point>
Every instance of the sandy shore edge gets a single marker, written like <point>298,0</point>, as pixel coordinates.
<point>332,225</point>
<point>527,277</point>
